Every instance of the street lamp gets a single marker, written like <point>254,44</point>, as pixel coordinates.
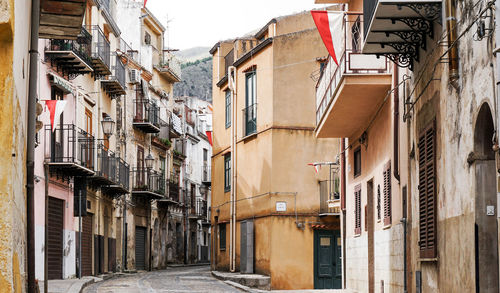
<point>149,161</point>
<point>108,125</point>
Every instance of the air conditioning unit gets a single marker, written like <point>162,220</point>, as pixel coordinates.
<point>135,76</point>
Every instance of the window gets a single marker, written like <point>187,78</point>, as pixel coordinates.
<point>427,192</point>
<point>222,236</point>
<point>357,209</point>
<point>379,212</point>
<point>228,108</point>
<point>227,172</point>
<point>147,38</point>
<point>357,162</point>
<point>387,194</point>
<point>250,111</point>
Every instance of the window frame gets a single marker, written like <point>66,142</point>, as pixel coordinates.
<point>250,101</point>
<point>222,236</point>
<point>355,159</point>
<point>228,108</point>
<point>227,172</point>
<point>357,210</point>
<point>387,194</point>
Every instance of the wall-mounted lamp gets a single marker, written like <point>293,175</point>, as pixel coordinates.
<point>108,125</point>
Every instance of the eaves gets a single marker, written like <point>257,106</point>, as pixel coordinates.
<point>254,51</point>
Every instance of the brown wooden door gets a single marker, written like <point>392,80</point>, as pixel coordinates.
<point>55,238</point>
<point>140,166</point>
<point>87,245</point>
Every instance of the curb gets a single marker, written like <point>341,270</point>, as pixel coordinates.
<point>239,286</point>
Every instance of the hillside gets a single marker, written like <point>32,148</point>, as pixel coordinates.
<point>193,54</point>
<point>196,79</point>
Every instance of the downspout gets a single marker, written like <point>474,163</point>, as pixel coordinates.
<point>396,124</point>
<point>232,224</point>
<point>451,23</point>
<point>30,144</point>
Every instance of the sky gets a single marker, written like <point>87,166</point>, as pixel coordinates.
<point>202,23</point>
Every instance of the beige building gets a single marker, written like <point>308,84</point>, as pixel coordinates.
<point>263,142</point>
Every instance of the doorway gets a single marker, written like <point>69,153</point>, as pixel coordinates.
<point>55,238</point>
<point>486,227</point>
<point>327,259</point>
<point>140,248</point>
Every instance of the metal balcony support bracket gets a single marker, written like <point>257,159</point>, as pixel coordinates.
<point>429,11</point>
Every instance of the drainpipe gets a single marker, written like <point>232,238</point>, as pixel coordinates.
<point>30,144</point>
<point>231,75</point>
<point>396,124</point>
<point>451,23</point>
<point>342,206</point>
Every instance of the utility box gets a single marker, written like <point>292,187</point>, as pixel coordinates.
<point>247,247</point>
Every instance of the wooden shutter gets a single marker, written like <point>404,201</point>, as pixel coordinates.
<point>387,194</point>
<point>427,192</point>
<point>357,209</point>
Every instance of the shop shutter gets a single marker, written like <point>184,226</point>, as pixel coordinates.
<point>357,209</point>
<point>427,192</point>
<point>140,248</point>
<point>87,245</point>
<point>55,238</point>
<point>387,194</point>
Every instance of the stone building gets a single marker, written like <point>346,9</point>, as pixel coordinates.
<point>263,142</point>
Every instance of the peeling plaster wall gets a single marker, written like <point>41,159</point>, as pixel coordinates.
<point>455,111</point>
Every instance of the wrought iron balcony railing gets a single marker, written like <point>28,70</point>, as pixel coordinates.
<point>101,53</point>
<point>115,84</point>
<point>168,64</point>
<point>123,173</point>
<point>69,147</point>
<point>106,166</point>
<point>173,187</point>
<point>206,175</point>
<point>147,115</point>
<point>351,62</point>
<point>149,181</point>
<point>329,197</point>
<point>126,49</point>
<point>250,119</point>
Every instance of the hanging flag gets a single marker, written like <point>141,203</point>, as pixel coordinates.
<point>209,136</point>
<point>316,167</point>
<point>329,24</point>
<point>145,3</point>
<point>56,107</point>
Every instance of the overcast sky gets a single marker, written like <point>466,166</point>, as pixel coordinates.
<point>196,23</point>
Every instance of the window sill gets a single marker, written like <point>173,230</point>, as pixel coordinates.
<point>388,226</point>
<point>357,235</point>
<point>249,136</point>
<point>432,259</point>
<point>222,249</point>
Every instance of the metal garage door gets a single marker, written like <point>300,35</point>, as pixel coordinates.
<point>87,245</point>
<point>140,248</point>
<point>55,238</point>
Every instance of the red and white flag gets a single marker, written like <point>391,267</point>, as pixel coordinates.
<point>329,24</point>
<point>209,136</point>
<point>316,167</point>
<point>56,107</point>
<point>145,3</point>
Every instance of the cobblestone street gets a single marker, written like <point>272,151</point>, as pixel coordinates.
<point>179,279</point>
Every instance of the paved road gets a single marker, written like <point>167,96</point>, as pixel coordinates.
<point>180,279</point>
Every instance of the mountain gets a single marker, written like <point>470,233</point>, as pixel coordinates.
<point>196,79</point>
<point>193,54</point>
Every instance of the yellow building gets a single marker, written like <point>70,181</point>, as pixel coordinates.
<point>262,92</point>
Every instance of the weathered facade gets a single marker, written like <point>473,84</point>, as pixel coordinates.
<point>263,142</point>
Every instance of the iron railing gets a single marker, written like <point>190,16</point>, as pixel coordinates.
<point>206,175</point>
<point>69,144</point>
<point>146,112</point>
<point>117,70</point>
<point>329,190</point>
<point>179,147</point>
<point>127,50</point>
<point>197,208</point>
<point>173,187</point>
<point>100,45</point>
<point>81,47</point>
<point>123,173</point>
<point>148,180</point>
<point>169,62</point>
<point>250,119</point>
<point>106,166</point>
<point>350,61</point>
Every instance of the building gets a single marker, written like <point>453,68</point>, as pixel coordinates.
<point>15,74</point>
<point>260,83</point>
<point>430,146</point>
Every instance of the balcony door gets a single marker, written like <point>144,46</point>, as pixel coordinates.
<point>327,259</point>
<point>251,103</point>
<point>86,141</point>
<point>57,153</point>
<point>140,167</point>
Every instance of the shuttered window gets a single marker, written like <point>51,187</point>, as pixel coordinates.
<point>427,191</point>
<point>357,209</point>
<point>222,236</point>
<point>228,109</point>
<point>387,194</point>
<point>227,172</point>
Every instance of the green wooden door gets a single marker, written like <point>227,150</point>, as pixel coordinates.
<point>327,261</point>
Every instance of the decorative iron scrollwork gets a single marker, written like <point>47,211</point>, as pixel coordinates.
<point>429,11</point>
<point>402,60</point>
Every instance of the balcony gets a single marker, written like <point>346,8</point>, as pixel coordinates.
<point>348,95</point>
<point>148,183</point>
<point>146,116</point>
<point>398,29</point>
<point>197,209</point>
<point>329,196</point>
<point>101,53</point>
<point>126,50</point>
<point>115,84</point>
<point>175,126</point>
<point>112,173</point>
<point>169,67</point>
<point>206,175</point>
<point>250,120</point>
<point>69,151</point>
<point>71,57</point>
<point>180,149</point>
<point>161,139</point>
<point>61,19</point>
